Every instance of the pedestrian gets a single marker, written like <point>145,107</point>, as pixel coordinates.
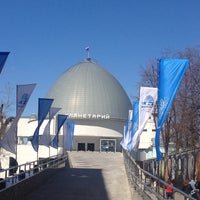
<point>187,188</point>
<point>192,183</point>
<point>169,190</point>
<point>197,188</point>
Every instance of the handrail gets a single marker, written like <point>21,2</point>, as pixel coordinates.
<point>150,186</point>
<point>13,175</point>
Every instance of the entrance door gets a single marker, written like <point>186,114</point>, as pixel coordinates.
<point>90,146</point>
<point>108,145</point>
<point>81,146</point>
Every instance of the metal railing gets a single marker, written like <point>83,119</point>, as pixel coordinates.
<point>148,185</point>
<point>12,176</point>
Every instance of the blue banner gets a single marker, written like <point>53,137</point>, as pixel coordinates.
<point>171,72</point>
<point>134,123</point>
<point>23,93</point>
<point>68,135</point>
<point>3,57</point>
<point>44,106</point>
<point>45,138</point>
<point>122,143</point>
<point>127,130</point>
<point>147,102</point>
<point>61,120</point>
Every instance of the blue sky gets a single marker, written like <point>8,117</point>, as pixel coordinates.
<point>46,37</point>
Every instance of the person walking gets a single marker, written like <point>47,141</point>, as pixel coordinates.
<point>187,188</point>
<point>169,190</point>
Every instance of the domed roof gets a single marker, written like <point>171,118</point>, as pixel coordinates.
<point>87,89</point>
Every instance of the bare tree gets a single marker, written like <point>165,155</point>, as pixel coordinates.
<point>182,124</point>
<point>5,107</point>
<point>149,77</point>
<point>149,74</point>
<point>187,103</point>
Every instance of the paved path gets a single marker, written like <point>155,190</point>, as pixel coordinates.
<point>92,176</point>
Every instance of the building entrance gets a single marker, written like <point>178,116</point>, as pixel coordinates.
<point>81,146</point>
<point>90,147</point>
<point>108,145</point>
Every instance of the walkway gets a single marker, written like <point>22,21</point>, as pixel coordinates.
<point>92,176</point>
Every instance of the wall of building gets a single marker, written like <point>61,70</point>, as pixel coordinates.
<point>89,132</point>
<point>148,134</point>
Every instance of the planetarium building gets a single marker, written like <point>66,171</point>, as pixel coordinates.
<point>96,102</point>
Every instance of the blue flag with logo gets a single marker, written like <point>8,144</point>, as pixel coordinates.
<point>61,120</point>
<point>147,102</point>
<point>3,57</point>
<point>44,106</point>
<point>134,123</point>
<point>171,72</point>
<point>23,93</point>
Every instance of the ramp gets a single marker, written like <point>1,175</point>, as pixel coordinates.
<point>91,176</point>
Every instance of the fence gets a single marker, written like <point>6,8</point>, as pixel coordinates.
<point>148,185</point>
<point>181,166</point>
<point>13,175</point>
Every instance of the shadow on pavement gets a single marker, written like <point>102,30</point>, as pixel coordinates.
<point>72,184</point>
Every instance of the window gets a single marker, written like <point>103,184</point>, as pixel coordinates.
<point>107,145</point>
<point>23,140</point>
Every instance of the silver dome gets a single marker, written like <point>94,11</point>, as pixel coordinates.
<point>87,88</point>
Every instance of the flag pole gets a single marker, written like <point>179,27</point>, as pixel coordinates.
<point>37,154</point>
<point>87,49</point>
<point>49,151</point>
<point>88,54</point>
<point>16,138</point>
<point>38,147</point>
<point>49,133</point>
<point>64,127</point>
<point>16,124</point>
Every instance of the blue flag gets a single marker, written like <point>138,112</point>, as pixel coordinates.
<point>61,120</point>
<point>134,123</point>
<point>44,106</point>
<point>147,102</point>
<point>68,135</point>
<point>171,72</point>
<point>23,93</point>
<point>45,138</point>
<point>124,135</point>
<point>127,130</point>
<point>3,57</point>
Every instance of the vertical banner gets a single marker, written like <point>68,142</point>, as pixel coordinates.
<point>23,93</point>
<point>68,135</point>
<point>3,58</point>
<point>61,120</point>
<point>43,109</point>
<point>128,130</point>
<point>171,72</point>
<point>45,138</point>
<point>124,135</point>
<point>147,102</point>
<point>135,124</point>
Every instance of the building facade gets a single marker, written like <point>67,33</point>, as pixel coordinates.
<point>97,103</point>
